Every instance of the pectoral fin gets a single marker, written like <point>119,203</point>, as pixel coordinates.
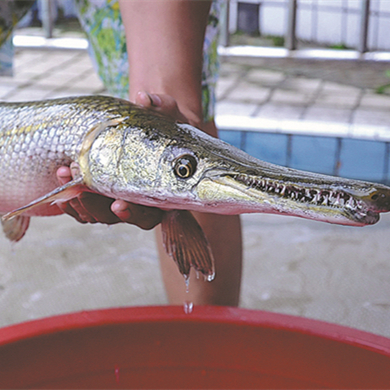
<point>64,193</point>
<point>15,228</point>
<point>185,241</point>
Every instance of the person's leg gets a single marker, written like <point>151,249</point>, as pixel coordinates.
<point>224,235</point>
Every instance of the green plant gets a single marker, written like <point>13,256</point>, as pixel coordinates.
<point>383,88</point>
<point>277,41</point>
<point>339,46</point>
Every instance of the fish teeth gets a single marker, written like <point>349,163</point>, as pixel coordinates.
<point>351,203</point>
<point>337,201</point>
<point>325,201</point>
<point>316,197</point>
<point>313,196</point>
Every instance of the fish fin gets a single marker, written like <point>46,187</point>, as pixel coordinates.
<point>15,228</point>
<point>61,194</point>
<point>185,241</point>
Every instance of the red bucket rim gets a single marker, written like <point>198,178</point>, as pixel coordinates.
<point>200,314</point>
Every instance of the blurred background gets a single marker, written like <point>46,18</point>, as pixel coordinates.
<point>304,84</point>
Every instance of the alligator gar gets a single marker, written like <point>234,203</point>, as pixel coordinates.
<point>127,152</point>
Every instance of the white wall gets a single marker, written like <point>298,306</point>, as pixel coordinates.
<point>329,22</point>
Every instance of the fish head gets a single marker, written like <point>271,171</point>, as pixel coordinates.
<point>154,161</point>
<point>206,174</point>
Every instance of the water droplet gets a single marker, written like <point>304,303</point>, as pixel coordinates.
<point>187,281</point>
<point>188,307</point>
<point>117,374</point>
<point>209,277</point>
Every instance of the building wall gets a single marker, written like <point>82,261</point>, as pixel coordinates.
<point>325,22</point>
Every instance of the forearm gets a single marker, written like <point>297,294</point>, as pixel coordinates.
<point>165,50</point>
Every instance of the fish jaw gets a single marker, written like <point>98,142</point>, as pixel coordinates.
<point>303,194</point>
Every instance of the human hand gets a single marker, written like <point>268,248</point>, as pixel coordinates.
<point>90,207</point>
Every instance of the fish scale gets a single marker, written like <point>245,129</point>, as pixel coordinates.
<point>36,138</point>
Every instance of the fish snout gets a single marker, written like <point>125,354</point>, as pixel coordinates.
<point>379,200</point>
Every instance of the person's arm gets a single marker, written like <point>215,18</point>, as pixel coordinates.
<point>165,50</point>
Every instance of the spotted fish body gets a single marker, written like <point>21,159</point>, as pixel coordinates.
<point>127,152</point>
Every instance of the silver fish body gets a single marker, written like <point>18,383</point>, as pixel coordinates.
<point>127,152</point>
<point>38,137</point>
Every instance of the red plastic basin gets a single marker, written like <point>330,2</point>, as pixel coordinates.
<point>213,347</point>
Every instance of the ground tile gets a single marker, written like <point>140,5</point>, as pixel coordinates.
<point>280,111</point>
<point>249,93</point>
<point>329,114</point>
<point>375,101</point>
<point>235,108</point>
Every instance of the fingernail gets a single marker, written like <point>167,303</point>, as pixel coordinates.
<point>143,97</point>
<point>119,206</point>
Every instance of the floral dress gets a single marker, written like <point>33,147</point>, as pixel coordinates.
<point>11,12</point>
<point>101,20</point>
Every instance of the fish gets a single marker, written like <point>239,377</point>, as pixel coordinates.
<point>125,151</point>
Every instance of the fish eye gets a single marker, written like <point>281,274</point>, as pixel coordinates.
<point>185,166</point>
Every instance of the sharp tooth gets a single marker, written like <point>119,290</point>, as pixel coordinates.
<point>283,190</point>
<point>316,197</point>
<point>350,203</point>
<point>308,196</point>
<point>337,201</point>
<point>270,187</point>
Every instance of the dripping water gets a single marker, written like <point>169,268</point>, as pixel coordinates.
<point>117,373</point>
<point>188,307</point>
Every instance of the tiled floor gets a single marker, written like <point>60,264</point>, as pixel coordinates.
<point>334,273</point>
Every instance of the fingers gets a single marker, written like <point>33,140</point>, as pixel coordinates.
<point>161,103</point>
<point>64,175</point>
<point>87,207</point>
<point>92,208</point>
<point>144,217</point>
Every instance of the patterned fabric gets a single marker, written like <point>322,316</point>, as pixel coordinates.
<point>103,25</point>
<point>11,11</point>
